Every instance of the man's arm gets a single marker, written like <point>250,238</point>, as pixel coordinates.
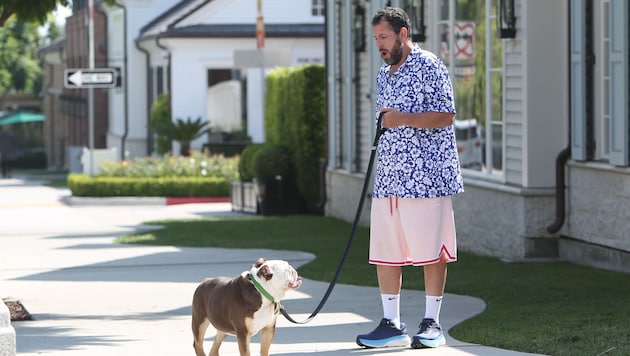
<point>423,120</point>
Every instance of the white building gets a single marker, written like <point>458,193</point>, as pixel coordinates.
<point>186,47</point>
<point>551,105</point>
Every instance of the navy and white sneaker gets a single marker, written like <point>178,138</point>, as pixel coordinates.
<point>429,335</point>
<point>385,335</point>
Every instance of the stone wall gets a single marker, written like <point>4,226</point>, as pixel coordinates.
<point>506,222</point>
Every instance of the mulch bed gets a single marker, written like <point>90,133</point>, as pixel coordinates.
<point>17,310</point>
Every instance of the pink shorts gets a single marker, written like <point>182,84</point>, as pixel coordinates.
<point>413,232</point>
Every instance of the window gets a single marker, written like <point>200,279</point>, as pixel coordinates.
<point>216,76</point>
<point>599,89</point>
<point>159,80</point>
<point>474,54</point>
<point>317,7</point>
<point>602,74</point>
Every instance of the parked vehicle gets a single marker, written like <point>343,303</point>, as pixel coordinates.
<point>468,143</point>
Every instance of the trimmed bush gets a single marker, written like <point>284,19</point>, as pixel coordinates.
<point>195,176</point>
<point>295,116</point>
<point>270,161</point>
<point>82,185</point>
<point>245,163</point>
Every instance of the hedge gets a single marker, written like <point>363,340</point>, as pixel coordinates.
<point>82,185</point>
<point>295,117</point>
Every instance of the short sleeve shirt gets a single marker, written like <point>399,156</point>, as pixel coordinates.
<point>417,162</point>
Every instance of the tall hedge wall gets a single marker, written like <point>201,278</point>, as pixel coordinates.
<point>295,116</point>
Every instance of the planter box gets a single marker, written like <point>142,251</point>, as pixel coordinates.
<point>271,196</point>
<point>243,197</point>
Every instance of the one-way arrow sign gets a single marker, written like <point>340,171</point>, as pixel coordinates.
<point>91,78</point>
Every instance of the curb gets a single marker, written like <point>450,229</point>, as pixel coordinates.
<point>196,200</point>
<point>7,333</point>
<point>82,201</point>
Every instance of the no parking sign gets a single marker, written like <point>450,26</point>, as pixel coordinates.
<point>464,37</point>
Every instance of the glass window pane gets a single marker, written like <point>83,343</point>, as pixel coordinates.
<point>496,78</point>
<point>497,146</point>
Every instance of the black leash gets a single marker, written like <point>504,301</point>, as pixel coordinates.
<point>379,131</point>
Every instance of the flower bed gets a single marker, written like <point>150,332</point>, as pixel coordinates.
<point>194,176</point>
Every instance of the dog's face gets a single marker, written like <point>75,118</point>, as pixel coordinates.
<point>276,276</point>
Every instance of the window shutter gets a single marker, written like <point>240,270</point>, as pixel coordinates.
<point>618,82</point>
<point>578,81</point>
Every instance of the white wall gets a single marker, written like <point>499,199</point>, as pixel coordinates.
<point>135,110</point>
<point>546,111</point>
<point>191,59</point>
<point>246,11</point>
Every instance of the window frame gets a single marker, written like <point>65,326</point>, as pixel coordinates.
<point>488,169</point>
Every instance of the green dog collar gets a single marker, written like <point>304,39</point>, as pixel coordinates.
<point>260,288</point>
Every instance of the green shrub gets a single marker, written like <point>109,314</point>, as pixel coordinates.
<point>160,119</point>
<point>295,116</point>
<point>277,95</point>
<point>82,185</point>
<point>270,161</point>
<point>245,164</point>
<point>195,176</point>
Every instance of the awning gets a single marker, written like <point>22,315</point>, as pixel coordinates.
<point>15,117</point>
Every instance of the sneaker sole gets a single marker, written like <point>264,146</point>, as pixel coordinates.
<point>396,341</point>
<point>419,343</point>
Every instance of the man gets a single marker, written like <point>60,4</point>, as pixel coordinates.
<point>8,151</point>
<point>417,172</point>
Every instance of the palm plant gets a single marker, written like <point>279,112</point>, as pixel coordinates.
<point>186,131</point>
<point>182,131</point>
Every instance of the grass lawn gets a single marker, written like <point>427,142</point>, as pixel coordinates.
<point>548,308</point>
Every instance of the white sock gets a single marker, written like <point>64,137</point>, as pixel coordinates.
<point>432,310</point>
<point>391,308</point>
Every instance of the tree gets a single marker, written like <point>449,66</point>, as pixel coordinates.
<point>160,121</point>
<point>28,10</point>
<point>31,10</point>
<point>20,65</point>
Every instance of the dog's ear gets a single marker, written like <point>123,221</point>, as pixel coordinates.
<point>265,272</point>
<point>259,263</point>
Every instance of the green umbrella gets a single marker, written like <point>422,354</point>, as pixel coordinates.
<point>15,117</point>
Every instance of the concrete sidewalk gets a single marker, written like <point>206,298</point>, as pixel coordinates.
<point>88,295</point>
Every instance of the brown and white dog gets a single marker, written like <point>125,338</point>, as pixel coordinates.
<point>242,306</point>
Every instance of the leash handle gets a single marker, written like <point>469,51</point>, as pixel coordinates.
<point>379,131</point>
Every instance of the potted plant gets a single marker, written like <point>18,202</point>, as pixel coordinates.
<point>271,167</point>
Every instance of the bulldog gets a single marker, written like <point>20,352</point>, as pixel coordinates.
<point>243,305</point>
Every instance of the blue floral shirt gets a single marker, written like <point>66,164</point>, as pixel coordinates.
<point>416,162</point>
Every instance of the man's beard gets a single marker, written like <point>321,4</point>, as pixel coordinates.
<point>396,54</point>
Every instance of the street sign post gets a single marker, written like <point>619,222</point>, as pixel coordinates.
<point>81,78</point>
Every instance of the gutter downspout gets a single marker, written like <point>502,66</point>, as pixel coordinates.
<point>564,155</point>
<point>125,82</point>
<point>323,165</point>
<point>561,161</point>
<point>168,76</point>
<point>149,94</point>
